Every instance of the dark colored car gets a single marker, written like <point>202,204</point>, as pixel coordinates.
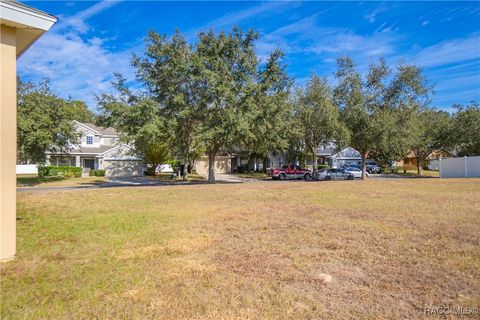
<point>373,167</point>
<point>333,174</point>
<point>290,172</point>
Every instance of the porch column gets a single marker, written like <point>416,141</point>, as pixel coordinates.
<point>77,161</point>
<point>47,162</point>
<point>8,142</point>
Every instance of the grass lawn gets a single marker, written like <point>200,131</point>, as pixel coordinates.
<point>36,181</point>
<point>275,250</point>
<point>425,173</point>
<point>167,177</point>
<point>252,175</point>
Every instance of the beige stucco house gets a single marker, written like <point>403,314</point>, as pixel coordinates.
<point>223,164</point>
<point>20,26</point>
<point>99,148</point>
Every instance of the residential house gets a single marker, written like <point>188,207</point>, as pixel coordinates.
<point>240,161</point>
<point>347,156</point>
<point>99,148</point>
<point>223,164</point>
<point>325,155</point>
<point>432,163</point>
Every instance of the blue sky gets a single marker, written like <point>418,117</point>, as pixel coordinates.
<point>94,39</point>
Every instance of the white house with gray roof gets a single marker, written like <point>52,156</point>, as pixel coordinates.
<point>99,148</point>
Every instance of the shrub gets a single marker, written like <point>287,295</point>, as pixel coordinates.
<point>97,173</point>
<point>60,171</point>
<point>322,166</point>
<point>68,174</point>
<point>100,173</point>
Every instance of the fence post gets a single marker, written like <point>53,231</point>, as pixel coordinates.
<point>465,164</point>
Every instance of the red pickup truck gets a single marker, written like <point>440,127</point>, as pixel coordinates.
<point>290,172</point>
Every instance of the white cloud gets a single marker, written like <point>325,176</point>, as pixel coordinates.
<point>371,15</point>
<point>78,21</point>
<point>453,66</point>
<point>305,36</point>
<point>236,17</point>
<point>449,51</point>
<point>77,66</point>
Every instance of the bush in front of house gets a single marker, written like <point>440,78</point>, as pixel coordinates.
<point>60,171</point>
<point>97,173</point>
<point>322,166</point>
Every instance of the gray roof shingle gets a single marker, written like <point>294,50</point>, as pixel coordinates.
<point>105,131</point>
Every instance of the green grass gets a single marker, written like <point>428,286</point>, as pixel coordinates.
<point>167,177</point>
<point>36,181</point>
<point>246,251</point>
<point>252,175</point>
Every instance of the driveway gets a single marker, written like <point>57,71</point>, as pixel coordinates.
<point>109,183</point>
<point>131,181</point>
<point>229,178</point>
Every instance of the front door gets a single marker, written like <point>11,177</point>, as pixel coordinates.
<point>88,164</point>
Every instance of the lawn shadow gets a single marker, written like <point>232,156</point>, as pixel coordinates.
<point>33,180</point>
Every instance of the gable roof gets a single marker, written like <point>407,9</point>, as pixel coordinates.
<point>109,131</point>
<point>91,150</point>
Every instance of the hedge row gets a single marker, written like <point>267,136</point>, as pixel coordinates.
<point>97,173</point>
<point>60,171</point>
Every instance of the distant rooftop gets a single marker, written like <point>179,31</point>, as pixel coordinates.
<point>109,131</point>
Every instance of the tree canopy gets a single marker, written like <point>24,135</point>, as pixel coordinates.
<point>44,122</point>
<point>214,95</point>
<point>379,109</point>
<point>319,117</point>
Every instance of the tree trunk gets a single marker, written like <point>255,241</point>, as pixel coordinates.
<point>265,164</point>
<point>315,163</point>
<point>364,167</point>
<point>211,165</point>
<point>419,167</point>
<point>185,172</point>
<point>152,170</point>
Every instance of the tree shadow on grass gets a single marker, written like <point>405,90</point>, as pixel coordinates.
<point>33,180</point>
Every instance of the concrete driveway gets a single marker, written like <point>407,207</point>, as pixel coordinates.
<point>229,178</point>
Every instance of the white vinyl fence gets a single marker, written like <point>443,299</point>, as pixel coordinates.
<point>27,169</point>
<point>466,167</point>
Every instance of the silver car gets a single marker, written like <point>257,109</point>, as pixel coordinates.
<point>333,174</point>
<point>357,172</point>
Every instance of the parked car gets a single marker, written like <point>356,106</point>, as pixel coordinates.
<point>357,172</point>
<point>290,172</point>
<point>333,174</point>
<point>373,167</point>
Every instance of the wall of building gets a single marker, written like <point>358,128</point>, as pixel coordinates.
<point>106,141</point>
<point>222,165</point>
<point>8,145</point>
<point>123,168</point>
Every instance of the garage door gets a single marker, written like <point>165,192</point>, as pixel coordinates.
<point>222,165</point>
<point>123,168</point>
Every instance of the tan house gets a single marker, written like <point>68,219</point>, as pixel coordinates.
<point>20,26</point>
<point>223,164</point>
<point>410,161</point>
<point>99,148</point>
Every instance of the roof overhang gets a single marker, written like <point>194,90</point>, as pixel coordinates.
<point>30,23</point>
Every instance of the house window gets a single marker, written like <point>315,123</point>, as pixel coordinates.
<point>89,140</point>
